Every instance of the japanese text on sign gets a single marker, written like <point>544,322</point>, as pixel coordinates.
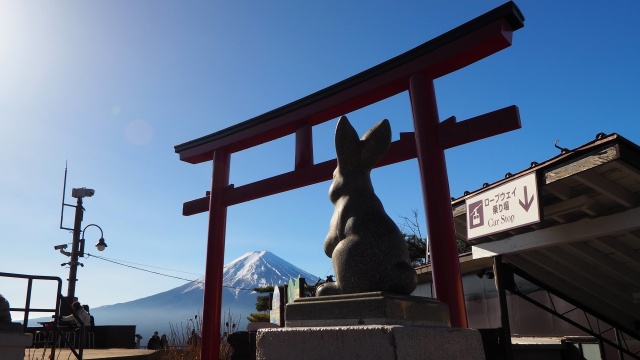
<point>505,207</point>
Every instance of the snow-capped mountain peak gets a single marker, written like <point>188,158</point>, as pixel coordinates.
<point>259,269</point>
<point>173,307</point>
<point>197,284</point>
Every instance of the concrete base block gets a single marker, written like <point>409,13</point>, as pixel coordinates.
<point>392,342</point>
<point>374,308</point>
<point>12,345</point>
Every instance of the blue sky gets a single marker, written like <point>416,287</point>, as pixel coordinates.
<point>112,86</point>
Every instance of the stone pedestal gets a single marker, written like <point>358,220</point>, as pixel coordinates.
<point>373,325</point>
<point>384,342</point>
<point>373,308</point>
<point>13,341</point>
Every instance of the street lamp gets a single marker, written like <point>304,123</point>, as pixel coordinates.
<point>101,245</point>
<point>77,246</point>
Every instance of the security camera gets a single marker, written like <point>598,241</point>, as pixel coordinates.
<point>82,192</point>
<point>60,247</point>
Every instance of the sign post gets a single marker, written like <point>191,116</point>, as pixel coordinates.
<point>511,205</point>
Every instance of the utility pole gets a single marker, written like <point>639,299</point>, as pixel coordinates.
<point>75,250</point>
<point>77,246</point>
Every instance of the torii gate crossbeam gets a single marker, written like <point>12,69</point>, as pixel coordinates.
<point>413,71</point>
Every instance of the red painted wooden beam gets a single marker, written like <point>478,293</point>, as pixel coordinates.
<point>452,133</point>
<point>445,267</point>
<point>400,150</point>
<point>449,52</point>
<point>304,147</point>
<point>211,315</point>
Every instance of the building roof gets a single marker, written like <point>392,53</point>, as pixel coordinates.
<point>601,177</point>
<point>587,244</point>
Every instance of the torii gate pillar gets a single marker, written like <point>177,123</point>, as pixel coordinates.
<point>445,268</point>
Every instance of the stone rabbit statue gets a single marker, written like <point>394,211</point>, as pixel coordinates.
<point>367,249</point>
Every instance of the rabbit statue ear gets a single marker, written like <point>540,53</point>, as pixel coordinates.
<point>375,144</point>
<point>347,144</point>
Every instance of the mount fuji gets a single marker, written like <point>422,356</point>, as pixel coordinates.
<point>175,307</point>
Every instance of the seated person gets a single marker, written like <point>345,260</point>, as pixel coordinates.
<point>5,314</point>
<point>80,313</point>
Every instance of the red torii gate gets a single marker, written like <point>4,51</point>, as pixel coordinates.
<point>413,71</point>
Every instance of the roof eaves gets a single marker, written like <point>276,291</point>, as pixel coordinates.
<point>564,156</point>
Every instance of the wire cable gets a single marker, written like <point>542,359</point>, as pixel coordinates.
<point>141,269</point>
<point>330,268</point>
<point>149,266</point>
<point>161,274</point>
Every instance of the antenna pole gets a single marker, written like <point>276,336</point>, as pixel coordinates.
<point>64,189</point>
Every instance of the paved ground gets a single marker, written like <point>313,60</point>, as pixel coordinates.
<point>94,354</point>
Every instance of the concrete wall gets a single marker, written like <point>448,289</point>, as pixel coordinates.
<point>525,319</point>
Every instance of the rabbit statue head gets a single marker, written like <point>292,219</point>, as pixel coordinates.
<point>367,249</point>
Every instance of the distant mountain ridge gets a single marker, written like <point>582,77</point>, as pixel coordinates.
<point>177,306</point>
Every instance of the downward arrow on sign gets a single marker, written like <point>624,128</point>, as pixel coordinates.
<point>527,202</point>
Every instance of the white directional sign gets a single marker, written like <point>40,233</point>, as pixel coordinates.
<point>505,207</point>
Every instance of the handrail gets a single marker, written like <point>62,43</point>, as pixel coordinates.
<point>60,302</point>
<point>27,307</point>
<point>598,333</point>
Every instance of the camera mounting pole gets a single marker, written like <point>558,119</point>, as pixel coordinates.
<point>77,245</point>
<point>75,250</point>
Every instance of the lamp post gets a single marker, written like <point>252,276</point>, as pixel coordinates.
<point>77,246</point>
<point>100,245</point>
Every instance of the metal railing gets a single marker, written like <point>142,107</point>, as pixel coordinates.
<point>594,323</point>
<point>61,301</point>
